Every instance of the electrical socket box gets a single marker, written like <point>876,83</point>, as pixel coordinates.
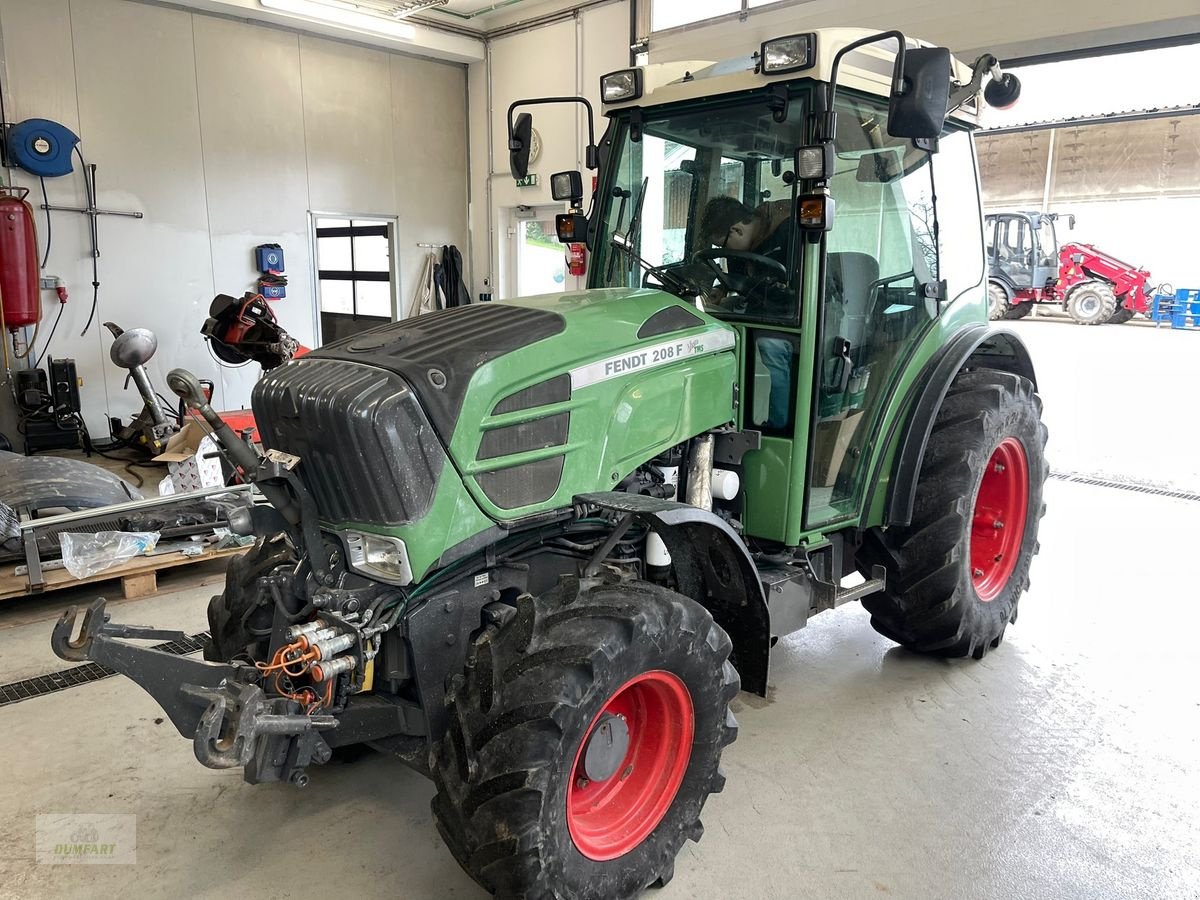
<point>49,283</point>
<point>272,291</point>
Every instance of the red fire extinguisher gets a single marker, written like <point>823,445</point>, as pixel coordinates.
<point>18,260</point>
<point>576,259</point>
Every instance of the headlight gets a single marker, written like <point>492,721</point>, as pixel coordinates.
<point>623,85</point>
<point>787,54</point>
<point>385,558</point>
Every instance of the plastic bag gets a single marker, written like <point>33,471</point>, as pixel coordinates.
<point>87,554</point>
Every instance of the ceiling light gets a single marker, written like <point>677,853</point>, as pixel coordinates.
<point>345,16</point>
<point>393,9</point>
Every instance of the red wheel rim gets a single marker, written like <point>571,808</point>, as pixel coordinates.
<point>998,522</point>
<point>608,818</point>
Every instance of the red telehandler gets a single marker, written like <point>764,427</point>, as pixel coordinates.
<point>1027,266</point>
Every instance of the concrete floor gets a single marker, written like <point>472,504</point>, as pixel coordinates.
<point>1062,766</point>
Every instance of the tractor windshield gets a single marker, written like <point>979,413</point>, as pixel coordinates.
<point>693,183</point>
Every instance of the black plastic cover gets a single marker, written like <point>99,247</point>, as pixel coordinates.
<point>367,452</point>
<point>439,352</point>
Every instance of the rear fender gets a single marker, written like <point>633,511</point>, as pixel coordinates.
<point>714,568</point>
<point>975,346</point>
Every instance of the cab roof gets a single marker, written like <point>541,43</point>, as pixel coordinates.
<point>868,69</point>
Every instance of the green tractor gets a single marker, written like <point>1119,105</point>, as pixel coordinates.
<point>536,547</point>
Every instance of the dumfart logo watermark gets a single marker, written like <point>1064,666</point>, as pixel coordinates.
<point>86,839</point>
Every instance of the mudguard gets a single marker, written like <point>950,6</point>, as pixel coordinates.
<point>976,345</point>
<point>714,568</point>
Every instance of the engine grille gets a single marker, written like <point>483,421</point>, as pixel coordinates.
<point>367,452</point>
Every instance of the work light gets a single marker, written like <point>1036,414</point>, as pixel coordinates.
<point>623,85</point>
<point>787,54</point>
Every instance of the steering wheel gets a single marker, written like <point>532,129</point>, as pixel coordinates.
<point>738,283</point>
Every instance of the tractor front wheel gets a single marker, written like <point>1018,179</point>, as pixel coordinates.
<point>998,305</point>
<point>240,617</point>
<point>1091,303</point>
<point>583,740</point>
<point>955,575</point>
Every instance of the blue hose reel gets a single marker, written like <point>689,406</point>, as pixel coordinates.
<point>42,147</point>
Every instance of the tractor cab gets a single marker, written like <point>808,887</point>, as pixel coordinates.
<point>796,196</point>
<point>1022,251</point>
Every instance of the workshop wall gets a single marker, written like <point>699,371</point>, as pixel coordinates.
<point>570,56</point>
<point>225,135</point>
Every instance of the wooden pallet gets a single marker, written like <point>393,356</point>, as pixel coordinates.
<point>139,577</point>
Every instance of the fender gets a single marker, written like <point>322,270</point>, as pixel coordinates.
<point>714,568</point>
<point>976,345</point>
<point>1004,282</point>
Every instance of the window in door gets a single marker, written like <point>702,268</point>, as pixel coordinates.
<point>354,275</point>
<point>541,259</point>
<point>887,252</point>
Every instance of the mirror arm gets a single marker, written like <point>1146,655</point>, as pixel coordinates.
<point>961,93</point>
<point>827,124</point>
<point>590,154</point>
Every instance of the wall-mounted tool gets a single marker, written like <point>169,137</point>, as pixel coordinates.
<point>42,147</point>
<point>272,284</point>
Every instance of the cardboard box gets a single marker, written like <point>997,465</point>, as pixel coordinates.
<point>191,461</point>
<point>833,440</point>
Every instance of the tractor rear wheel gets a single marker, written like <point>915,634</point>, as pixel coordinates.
<point>998,305</point>
<point>240,617</point>
<point>583,740</point>
<point>1091,303</point>
<point>954,576</point>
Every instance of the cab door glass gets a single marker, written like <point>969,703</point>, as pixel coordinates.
<point>885,256</point>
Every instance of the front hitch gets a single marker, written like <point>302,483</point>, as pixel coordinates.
<point>220,706</point>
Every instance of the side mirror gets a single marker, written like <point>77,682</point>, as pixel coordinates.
<point>520,141</point>
<point>920,111</point>
<point>567,186</point>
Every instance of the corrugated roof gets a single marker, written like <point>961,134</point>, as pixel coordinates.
<point>1160,112</point>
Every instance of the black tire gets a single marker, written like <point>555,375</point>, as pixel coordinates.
<point>1020,311</point>
<point>1091,303</point>
<point>240,617</point>
<point>998,305</point>
<point>932,602</point>
<point>518,717</point>
<point>1121,316</point>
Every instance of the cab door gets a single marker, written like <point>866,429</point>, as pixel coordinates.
<point>883,289</point>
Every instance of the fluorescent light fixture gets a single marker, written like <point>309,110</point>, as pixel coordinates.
<point>340,15</point>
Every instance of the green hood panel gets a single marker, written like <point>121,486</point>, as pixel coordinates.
<point>579,410</point>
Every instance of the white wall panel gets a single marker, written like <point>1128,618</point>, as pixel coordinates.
<point>136,78</point>
<point>347,95</point>
<point>561,58</point>
<point>224,134</point>
<point>431,162</point>
<point>255,172</point>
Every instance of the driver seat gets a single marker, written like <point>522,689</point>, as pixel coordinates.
<point>849,278</point>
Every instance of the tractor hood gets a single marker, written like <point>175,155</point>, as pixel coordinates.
<point>533,400</point>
